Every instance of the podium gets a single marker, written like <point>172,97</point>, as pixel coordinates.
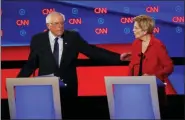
<point>34,98</point>
<point>133,97</point>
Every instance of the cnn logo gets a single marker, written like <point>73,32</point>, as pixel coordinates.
<point>99,31</point>
<point>100,10</point>
<point>75,21</point>
<point>22,22</point>
<point>46,11</point>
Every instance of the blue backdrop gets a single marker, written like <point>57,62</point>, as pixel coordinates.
<point>102,22</point>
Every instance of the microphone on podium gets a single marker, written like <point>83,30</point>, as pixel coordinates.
<point>142,57</point>
<point>35,68</point>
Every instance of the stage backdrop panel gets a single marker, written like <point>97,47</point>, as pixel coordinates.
<point>107,24</point>
<point>102,22</point>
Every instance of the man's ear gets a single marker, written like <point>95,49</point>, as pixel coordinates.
<point>48,25</point>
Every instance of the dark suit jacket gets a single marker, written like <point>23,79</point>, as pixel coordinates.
<point>156,61</point>
<point>41,57</point>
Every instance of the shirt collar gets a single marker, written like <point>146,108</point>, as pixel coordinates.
<point>152,37</point>
<point>52,37</point>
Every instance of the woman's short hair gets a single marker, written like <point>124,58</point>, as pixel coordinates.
<point>145,23</point>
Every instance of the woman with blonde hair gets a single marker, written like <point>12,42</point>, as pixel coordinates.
<point>149,55</point>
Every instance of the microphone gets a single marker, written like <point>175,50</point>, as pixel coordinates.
<point>34,73</point>
<point>142,56</point>
<point>34,68</point>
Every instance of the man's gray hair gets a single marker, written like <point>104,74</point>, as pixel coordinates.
<point>48,17</point>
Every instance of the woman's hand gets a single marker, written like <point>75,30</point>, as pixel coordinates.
<point>146,74</point>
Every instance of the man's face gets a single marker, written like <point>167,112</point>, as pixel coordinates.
<point>138,32</point>
<point>56,25</point>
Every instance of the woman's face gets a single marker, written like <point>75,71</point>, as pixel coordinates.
<point>138,32</point>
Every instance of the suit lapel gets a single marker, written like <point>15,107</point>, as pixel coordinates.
<point>48,48</point>
<point>64,59</point>
<point>64,52</point>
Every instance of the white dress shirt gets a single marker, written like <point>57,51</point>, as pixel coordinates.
<point>52,42</point>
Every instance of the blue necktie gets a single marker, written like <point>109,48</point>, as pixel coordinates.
<point>56,51</point>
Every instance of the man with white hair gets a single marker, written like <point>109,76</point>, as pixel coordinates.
<point>55,52</point>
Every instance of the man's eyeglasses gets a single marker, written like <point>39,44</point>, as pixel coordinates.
<point>57,23</point>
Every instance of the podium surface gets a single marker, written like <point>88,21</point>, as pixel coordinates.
<point>133,97</point>
<point>34,98</point>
